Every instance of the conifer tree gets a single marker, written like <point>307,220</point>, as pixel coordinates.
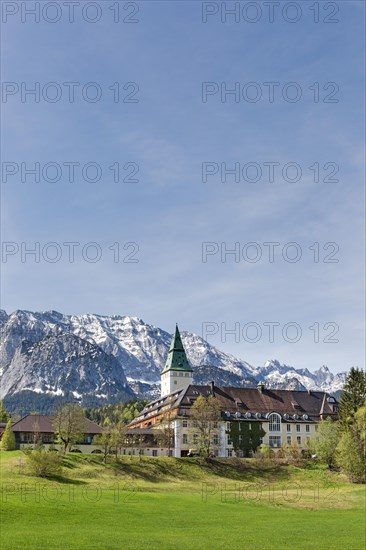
<point>8,439</point>
<point>4,416</point>
<point>353,396</point>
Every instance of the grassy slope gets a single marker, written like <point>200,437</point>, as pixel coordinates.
<point>169,503</point>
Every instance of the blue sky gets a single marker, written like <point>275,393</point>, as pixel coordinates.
<point>170,212</point>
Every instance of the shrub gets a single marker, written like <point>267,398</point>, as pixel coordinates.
<point>351,448</point>
<point>351,458</point>
<point>292,452</point>
<point>326,441</point>
<point>266,451</point>
<point>43,463</point>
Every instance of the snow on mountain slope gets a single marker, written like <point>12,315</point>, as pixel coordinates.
<point>64,365</point>
<point>140,348</point>
<point>96,352</point>
<point>278,376</point>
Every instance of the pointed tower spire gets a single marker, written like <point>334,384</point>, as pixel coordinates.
<point>177,359</point>
<point>177,372</point>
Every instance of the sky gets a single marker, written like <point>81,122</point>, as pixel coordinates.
<point>190,132</point>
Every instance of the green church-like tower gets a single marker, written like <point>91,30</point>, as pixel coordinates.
<point>177,372</point>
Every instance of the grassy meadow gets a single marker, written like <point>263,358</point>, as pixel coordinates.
<point>171,503</point>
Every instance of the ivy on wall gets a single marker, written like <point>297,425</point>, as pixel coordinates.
<point>246,436</point>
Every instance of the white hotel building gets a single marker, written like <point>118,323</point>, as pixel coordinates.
<point>287,417</point>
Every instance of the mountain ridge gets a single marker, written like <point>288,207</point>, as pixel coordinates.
<point>100,358</point>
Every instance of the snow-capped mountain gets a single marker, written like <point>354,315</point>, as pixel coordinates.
<point>96,358</point>
<point>77,367</point>
<point>280,376</point>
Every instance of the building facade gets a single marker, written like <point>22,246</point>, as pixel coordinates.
<point>35,428</point>
<point>285,417</point>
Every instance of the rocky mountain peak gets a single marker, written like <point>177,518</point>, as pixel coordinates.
<point>101,357</point>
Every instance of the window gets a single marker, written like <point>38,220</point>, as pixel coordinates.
<point>195,438</point>
<point>175,381</point>
<point>316,427</point>
<point>229,440</point>
<point>215,439</point>
<point>155,452</point>
<point>308,428</point>
<point>298,439</point>
<point>229,453</point>
<point>185,439</point>
<point>261,440</point>
<point>170,453</point>
<point>275,441</point>
<point>289,440</point>
<point>215,425</point>
<point>298,428</point>
<point>274,422</point>
<point>288,427</point>
<point>228,425</point>
<point>185,423</point>
<point>195,423</point>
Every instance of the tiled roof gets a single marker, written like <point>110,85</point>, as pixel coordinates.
<point>244,400</point>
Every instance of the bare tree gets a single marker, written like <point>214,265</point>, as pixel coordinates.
<point>205,414</point>
<point>106,441</point>
<point>165,432</point>
<point>112,438</point>
<point>36,435</point>
<point>70,425</point>
<point>119,436</point>
<point>137,441</point>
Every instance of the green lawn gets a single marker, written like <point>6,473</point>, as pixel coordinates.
<point>177,503</point>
